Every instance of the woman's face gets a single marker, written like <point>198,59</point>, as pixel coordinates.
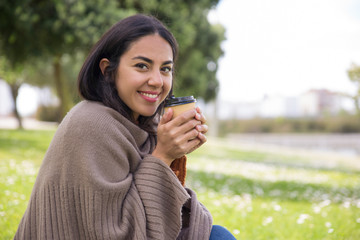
<point>144,75</point>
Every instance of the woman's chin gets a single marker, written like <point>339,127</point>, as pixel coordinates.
<point>148,113</point>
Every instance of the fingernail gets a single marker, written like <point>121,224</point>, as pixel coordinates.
<point>203,136</point>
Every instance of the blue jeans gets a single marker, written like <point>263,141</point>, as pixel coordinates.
<point>220,233</point>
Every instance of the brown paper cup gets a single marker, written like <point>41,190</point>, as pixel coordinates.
<point>180,104</point>
<point>178,109</point>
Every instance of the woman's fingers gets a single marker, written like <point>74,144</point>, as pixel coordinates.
<point>190,135</point>
<point>167,116</point>
<point>184,117</point>
<point>192,128</point>
<point>191,124</point>
<point>199,116</point>
<point>202,137</point>
<point>202,128</point>
<point>180,135</point>
<point>196,139</point>
<point>196,143</point>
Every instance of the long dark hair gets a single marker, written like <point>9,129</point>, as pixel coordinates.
<point>95,86</point>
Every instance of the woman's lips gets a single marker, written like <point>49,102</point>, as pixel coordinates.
<point>149,96</point>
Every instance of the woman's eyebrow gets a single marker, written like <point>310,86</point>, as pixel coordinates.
<point>143,58</point>
<point>168,62</point>
<point>151,61</point>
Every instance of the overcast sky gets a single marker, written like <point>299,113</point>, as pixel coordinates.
<point>286,47</point>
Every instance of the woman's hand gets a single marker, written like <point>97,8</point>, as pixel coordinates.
<point>179,136</point>
<point>202,128</point>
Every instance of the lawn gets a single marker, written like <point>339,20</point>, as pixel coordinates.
<point>255,193</point>
<point>267,194</point>
<point>21,153</point>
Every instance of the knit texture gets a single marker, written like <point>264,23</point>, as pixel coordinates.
<point>99,181</point>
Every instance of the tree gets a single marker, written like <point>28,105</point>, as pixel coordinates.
<point>14,78</point>
<point>354,76</point>
<point>48,29</point>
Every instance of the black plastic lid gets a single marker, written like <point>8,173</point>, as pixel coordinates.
<point>174,101</point>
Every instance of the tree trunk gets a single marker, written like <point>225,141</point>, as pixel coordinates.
<point>60,88</point>
<point>15,92</point>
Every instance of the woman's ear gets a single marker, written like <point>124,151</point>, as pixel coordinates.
<point>104,63</point>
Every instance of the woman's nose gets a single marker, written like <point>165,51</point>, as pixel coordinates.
<point>156,79</point>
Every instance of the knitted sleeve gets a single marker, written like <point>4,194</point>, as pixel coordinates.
<point>199,222</point>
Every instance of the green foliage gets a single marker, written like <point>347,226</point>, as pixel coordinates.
<point>354,75</point>
<point>14,76</point>
<point>42,28</point>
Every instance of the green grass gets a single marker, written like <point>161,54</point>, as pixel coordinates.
<point>21,153</point>
<point>276,195</point>
<point>255,193</point>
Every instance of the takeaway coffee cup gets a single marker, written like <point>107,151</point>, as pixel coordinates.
<point>180,104</point>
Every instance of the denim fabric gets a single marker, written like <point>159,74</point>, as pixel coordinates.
<point>220,233</point>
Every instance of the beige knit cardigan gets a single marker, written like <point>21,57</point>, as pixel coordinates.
<point>99,181</point>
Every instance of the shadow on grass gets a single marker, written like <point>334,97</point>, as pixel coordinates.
<point>279,190</point>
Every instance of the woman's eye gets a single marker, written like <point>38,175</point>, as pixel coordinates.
<point>166,69</point>
<point>141,66</point>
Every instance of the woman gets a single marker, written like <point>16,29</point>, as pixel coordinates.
<point>106,174</point>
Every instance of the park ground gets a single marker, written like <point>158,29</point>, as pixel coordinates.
<point>257,189</point>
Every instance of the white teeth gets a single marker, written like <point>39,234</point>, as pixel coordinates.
<point>149,95</point>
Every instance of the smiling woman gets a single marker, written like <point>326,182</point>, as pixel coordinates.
<point>108,172</point>
<point>144,76</point>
